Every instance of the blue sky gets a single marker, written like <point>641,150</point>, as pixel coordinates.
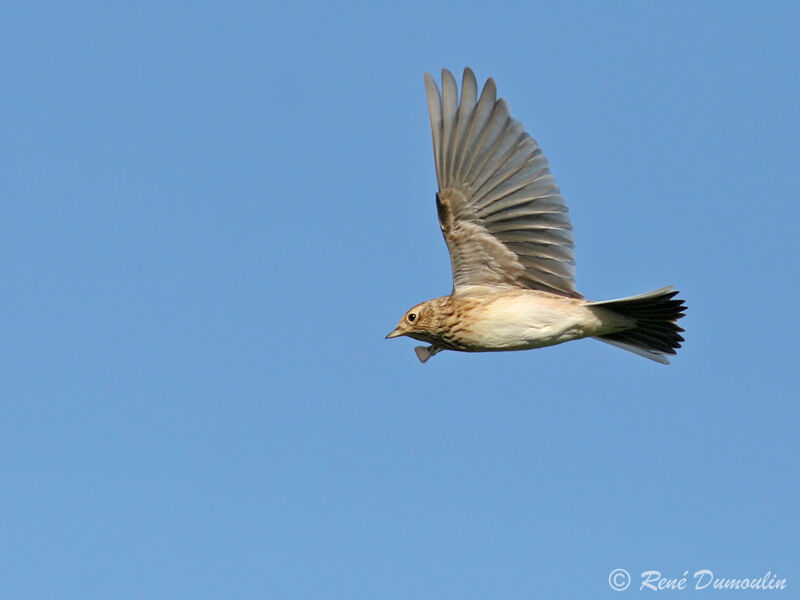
<point>211,217</point>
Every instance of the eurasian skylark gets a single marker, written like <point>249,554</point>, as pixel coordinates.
<point>510,241</point>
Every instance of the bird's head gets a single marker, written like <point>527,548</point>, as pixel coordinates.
<point>419,322</point>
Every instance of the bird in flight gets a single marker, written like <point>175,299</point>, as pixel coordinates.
<point>511,247</point>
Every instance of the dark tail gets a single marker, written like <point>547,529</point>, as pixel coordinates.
<point>656,333</point>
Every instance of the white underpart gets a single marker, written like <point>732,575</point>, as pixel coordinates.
<point>528,320</point>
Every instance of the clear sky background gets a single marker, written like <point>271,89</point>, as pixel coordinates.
<point>213,213</point>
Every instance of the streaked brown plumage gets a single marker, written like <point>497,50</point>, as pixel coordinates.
<point>510,241</point>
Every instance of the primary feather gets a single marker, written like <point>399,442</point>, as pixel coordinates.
<point>501,212</point>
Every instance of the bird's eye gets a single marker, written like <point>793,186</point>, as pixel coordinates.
<point>411,317</point>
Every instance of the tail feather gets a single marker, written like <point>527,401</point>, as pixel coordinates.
<point>656,333</point>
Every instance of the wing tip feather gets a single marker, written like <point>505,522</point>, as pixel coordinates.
<point>459,122</point>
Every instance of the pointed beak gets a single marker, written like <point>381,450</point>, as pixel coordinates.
<point>394,333</point>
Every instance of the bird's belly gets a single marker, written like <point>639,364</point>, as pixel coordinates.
<point>524,323</point>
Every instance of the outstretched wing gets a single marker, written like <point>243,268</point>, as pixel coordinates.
<point>501,212</point>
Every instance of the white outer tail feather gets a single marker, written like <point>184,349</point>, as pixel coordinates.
<point>652,355</point>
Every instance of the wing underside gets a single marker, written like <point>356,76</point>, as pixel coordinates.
<point>500,209</point>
